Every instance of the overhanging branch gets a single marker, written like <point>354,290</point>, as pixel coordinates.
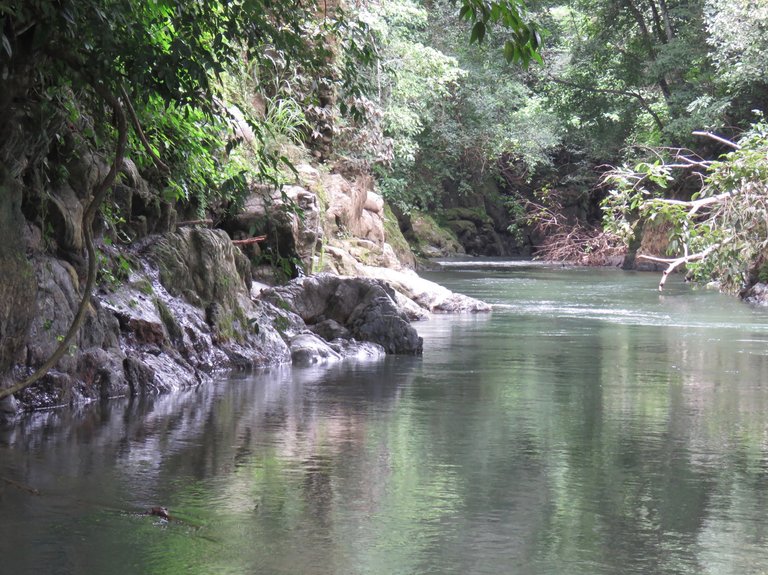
<point>674,263</point>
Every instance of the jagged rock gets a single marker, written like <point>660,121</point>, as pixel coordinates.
<point>102,372</point>
<point>273,213</point>
<point>309,349</point>
<point>378,319</point>
<point>354,208</point>
<point>756,294</point>
<point>57,300</point>
<point>364,306</point>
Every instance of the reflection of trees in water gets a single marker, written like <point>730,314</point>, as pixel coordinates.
<point>616,448</point>
<point>208,431</point>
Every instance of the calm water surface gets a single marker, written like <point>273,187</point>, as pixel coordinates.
<point>589,425</point>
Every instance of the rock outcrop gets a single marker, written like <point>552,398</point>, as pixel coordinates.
<point>178,306</point>
<point>756,294</point>
<point>365,308</point>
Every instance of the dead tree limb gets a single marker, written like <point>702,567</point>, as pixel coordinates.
<point>717,138</point>
<point>674,263</point>
<point>20,486</point>
<point>249,241</point>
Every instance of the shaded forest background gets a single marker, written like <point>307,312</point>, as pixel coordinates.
<point>541,128</point>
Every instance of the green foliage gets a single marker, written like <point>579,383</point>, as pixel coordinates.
<point>447,110</point>
<point>165,59</point>
<point>722,232</point>
<point>525,39</point>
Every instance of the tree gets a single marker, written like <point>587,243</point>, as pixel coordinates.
<point>721,233</point>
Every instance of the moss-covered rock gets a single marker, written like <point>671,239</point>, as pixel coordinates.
<point>432,240</point>
<point>476,215</point>
<point>395,238</point>
<point>208,271</point>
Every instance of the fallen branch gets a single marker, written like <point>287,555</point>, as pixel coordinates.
<point>674,263</point>
<point>718,139</point>
<point>694,205</point>
<point>249,241</point>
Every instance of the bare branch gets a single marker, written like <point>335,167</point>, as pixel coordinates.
<point>249,241</point>
<point>675,263</point>
<point>694,205</point>
<point>718,139</point>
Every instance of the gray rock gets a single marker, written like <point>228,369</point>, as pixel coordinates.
<point>330,329</point>
<point>428,295</point>
<point>378,319</point>
<point>309,349</point>
<point>359,350</point>
<point>364,306</point>
<point>757,295</point>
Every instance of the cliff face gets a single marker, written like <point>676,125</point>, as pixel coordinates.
<point>17,286</point>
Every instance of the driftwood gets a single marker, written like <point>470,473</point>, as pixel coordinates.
<point>674,263</point>
<point>249,241</point>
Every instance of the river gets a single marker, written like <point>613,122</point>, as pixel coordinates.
<point>588,425</point>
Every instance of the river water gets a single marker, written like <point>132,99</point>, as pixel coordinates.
<point>588,425</point>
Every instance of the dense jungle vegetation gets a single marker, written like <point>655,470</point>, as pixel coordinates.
<point>583,126</point>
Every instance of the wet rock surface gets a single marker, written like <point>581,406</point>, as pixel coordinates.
<point>365,307</point>
<point>757,294</point>
<point>175,307</point>
<point>187,311</point>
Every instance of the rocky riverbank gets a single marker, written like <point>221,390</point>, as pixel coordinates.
<point>176,308</point>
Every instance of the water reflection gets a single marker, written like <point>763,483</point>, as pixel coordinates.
<point>530,441</point>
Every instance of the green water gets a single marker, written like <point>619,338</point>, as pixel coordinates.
<point>589,425</point>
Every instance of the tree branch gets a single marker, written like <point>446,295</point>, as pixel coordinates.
<point>249,241</point>
<point>675,263</point>
<point>717,138</point>
<point>137,126</point>
<point>694,205</point>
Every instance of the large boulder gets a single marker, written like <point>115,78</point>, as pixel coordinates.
<point>432,240</point>
<point>378,319</point>
<point>366,307</point>
<point>426,294</point>
<point>475,230</point>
